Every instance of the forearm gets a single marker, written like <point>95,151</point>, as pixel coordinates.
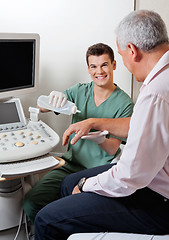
<point>118,127</point>
<point>110,145</point>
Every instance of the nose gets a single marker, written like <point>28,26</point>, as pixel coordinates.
<point>100,70</point>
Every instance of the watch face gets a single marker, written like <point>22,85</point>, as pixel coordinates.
<point>81,183</point>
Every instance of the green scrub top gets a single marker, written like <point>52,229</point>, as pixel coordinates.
<point>86,153</point>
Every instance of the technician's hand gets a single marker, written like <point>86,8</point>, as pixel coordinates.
<point>80,129</point>
<point>57,99</point>
<point>43,110</point>
<point>76,190</point>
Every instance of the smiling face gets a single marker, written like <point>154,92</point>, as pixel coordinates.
<point>101,70</point>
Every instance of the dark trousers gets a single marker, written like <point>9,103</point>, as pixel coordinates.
<point>144,212</point>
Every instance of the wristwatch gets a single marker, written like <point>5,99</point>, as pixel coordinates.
<point>81,183</point>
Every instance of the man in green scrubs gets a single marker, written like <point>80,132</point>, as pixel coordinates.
<point>100,98</point>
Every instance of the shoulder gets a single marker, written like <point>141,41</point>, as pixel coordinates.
<point>122,95</point>
<point>80,86</point>
<point>78,91</point>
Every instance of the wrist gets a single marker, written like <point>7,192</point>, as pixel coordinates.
<point>81,183</point>
<point>91,122</point>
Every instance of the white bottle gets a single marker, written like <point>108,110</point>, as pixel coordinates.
<point>68,109</point>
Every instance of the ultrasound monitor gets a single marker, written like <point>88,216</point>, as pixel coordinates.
<point>12,116</point>
<point>19,63</point>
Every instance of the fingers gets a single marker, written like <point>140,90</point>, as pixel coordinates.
<point>64,100</point>
<point>51,97</point>
<point>57,99</point>
<point>79,128</point>
<point>66,136</point>
<point>76,138</point>
<point>74,128</point>
<point>76,190</point>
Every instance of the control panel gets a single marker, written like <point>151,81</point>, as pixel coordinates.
<point>20,140</point>
<point>34,140</point>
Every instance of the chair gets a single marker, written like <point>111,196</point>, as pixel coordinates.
<point>116,236</point>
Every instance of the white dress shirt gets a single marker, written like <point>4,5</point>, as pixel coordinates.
<point>145,158</point>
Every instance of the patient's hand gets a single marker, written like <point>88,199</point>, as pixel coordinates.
<point>80,129</point>
<point>76,190</point>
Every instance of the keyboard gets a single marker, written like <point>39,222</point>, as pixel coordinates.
<point>36,139</point>
<point>27,167</point>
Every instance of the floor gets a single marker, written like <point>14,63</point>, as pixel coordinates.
<point>10,234</point>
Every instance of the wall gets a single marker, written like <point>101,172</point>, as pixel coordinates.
<point>67,28</point>
<point>160,6</point>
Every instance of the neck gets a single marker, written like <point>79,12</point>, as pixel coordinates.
<point>101,94</point>
<point>151,59</point>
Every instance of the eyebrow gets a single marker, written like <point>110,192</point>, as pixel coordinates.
<point>92,64</point>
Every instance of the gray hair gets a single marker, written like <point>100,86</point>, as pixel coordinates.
<point>144,29</point>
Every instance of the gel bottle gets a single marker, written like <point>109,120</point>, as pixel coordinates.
<point>68,109</point>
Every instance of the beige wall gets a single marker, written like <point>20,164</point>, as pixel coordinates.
<point>67,28</point>
<point>160,6</point>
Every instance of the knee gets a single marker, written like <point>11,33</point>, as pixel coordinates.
<point>65,190</point>
<point>68,183</point>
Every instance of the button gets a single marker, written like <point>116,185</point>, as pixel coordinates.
<point>3,135</point>
<point>20,132</point>
<point>19,144</point>
<point>37,136</point>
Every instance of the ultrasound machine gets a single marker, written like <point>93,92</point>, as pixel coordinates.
<point>25,144</point>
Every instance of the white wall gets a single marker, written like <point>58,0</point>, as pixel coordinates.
<point>67,28</point>
<point>161,7</point>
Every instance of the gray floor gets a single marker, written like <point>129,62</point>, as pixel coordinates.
<point>10,234</point>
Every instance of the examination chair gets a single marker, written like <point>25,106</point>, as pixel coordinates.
<point>116,236</point>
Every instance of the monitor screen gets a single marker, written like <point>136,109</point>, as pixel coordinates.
<point>12,116</point>
<point>9,113</point>
<point>19,63</point>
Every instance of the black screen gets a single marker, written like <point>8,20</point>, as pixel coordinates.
<point>16,64</point>
<point>9,113</point>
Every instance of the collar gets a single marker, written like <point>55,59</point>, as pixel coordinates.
<point>164,60</point>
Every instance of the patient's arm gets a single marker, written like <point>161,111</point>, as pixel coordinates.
<point>117,126</point>
<point>110,145</point>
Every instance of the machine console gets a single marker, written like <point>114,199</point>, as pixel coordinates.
<point>20,140</point>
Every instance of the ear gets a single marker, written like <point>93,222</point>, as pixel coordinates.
<point>133,51</point>
<point>114,65</point>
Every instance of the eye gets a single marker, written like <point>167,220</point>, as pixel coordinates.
<point>105,64</point>
<point>92,66</point>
